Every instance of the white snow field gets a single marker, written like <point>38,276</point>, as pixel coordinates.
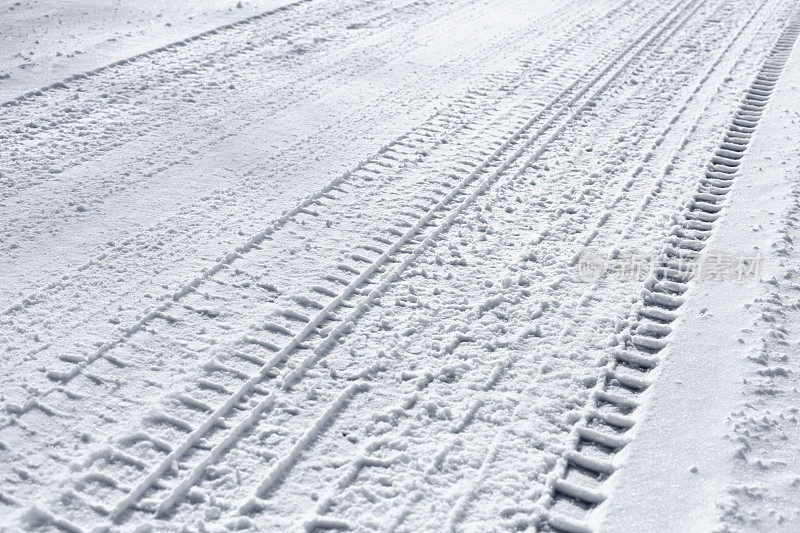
<point>400,265</point>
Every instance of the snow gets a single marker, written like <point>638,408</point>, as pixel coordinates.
<point>372,265</point>
<point>45,41</point>
<point>718,444</point>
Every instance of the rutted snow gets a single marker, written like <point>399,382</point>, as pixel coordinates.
<point>319,269</point>
<point>725,409</point>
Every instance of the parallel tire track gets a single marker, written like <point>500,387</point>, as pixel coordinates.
<point>271,476</point>
<point>103,354</point>
<point>470,105</point>
<point>363,459</point>
<point>185,74</point>
<point>576,486</point>
<point>516,144</point>
<point>170,474</point>
<point>423,138</point>
<point>567,313</point>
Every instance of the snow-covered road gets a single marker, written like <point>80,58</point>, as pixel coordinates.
<point>372,265</point>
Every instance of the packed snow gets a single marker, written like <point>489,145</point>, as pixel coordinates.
<point>400,265</point>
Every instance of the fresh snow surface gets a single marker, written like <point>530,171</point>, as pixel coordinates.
<point>400,265</point>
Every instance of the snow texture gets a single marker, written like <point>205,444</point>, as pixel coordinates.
<point>312,265</point>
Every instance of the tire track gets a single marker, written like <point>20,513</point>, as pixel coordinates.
<point>576,485</point>
<point>195,75</point>
<point>60,286</point>
<point>406,238</point>
<point>301,367</point>
<point>265,405</point>
<point>360,460</point>
<point>426,134</point>
<point>569,314</point>
<point>161,444</point>
<point>452,109</point>
<point>63,84</point>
